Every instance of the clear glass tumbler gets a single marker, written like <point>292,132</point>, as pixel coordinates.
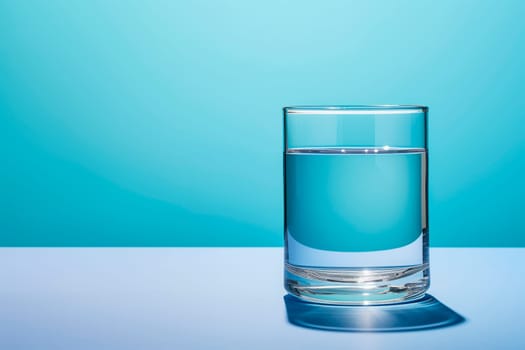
<point>355,201</point>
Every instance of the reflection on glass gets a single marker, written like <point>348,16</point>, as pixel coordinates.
<point>425,313</point>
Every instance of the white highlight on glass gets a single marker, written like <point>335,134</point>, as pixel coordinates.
<point>354,111</point>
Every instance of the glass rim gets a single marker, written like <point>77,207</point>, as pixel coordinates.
<point>356,109</point>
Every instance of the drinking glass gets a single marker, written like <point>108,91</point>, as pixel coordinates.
<point>355,202</point>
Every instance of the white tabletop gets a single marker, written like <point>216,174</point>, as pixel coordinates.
<point>229,298</point>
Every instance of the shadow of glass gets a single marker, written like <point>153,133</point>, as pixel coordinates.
<point>425,313</point>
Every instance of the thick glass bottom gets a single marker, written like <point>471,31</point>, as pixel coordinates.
<point>358,286</point>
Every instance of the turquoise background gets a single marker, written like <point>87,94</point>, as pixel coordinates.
<point>158,123</point>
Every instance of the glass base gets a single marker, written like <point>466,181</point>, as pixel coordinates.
<point>358,286</point>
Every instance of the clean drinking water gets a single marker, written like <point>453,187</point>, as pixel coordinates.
<point>356,224</point>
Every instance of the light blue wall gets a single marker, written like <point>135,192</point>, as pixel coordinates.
<point>159,122</point>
